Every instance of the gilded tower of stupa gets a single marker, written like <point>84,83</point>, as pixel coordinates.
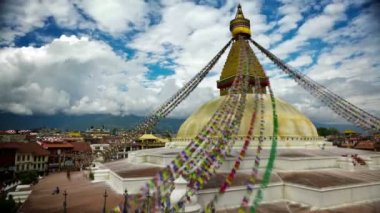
<point>293,125</point>
<point>240,27</point>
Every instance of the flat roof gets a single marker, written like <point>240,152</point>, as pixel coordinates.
<point>286,207</point>
<point>330,178</point>
<point>239,180</point>
<point>83,196</point>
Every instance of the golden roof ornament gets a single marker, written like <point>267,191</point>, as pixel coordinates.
<point>240,25</point>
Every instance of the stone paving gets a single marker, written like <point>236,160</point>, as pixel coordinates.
<point>83,196</point>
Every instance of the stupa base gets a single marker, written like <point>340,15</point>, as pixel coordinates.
<point>314,177</point>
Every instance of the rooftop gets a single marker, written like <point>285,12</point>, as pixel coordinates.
<point>22,147</point>
<point>330,178</point>
<point>82,195</point>
<point>129,170</point>
<point>48,145</point>
<point>286,207</point>
<point>81,147</point>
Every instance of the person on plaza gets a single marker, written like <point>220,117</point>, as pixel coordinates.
<point>68,174</point>
<point>56,191</point>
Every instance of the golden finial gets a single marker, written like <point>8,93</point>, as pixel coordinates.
<point>240,25</point>
<point>239,12</point>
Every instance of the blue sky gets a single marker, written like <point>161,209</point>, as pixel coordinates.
<point>126,57</point>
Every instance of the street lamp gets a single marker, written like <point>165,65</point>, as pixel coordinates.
<point>148,202</point>
<point>125,209</point>
<point>65,202</point>
<point>105,198</point>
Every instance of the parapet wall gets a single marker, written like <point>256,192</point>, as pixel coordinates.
<point>282,142</point>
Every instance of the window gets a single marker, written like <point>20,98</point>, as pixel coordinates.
<point>18,157</point>
<point>23,158</point>
<point>35,158</point>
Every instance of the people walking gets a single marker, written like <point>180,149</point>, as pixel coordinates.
<point>56,191</point>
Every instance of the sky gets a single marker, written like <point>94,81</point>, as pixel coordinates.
<point>125,57</point>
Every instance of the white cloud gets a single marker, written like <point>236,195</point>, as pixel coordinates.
<point>315,27</point>
<point>349,67</point>
<point>292,15</point>
<point>301,61</point>
<point>59,75</point>
<point>78,76</point>
<point>21,17</point>
<point>116,16</point>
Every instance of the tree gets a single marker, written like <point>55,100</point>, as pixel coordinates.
<point>8,205</point>
<point>28,177</point>
<point>322,131</point>
<point>168,135</point>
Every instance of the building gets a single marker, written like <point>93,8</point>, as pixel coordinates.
<point>100,144</point>
<point>67,155</point>
<point>19,157</point>
<point>97,132</point>
<point>81,155</point>
<point>58,154</point>
<point>308,171</point>
<point>99,149</point>
<point>73,134</point>
<point>7,162</point>
<point>17,136</point>
<point>148,141</point>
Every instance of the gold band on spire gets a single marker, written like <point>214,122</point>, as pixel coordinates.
<point>240,25</point>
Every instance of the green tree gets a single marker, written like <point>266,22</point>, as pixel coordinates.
<point>28,177</point>
<point>322,131</point>
<point>8,205</point>
<point>333,131</point>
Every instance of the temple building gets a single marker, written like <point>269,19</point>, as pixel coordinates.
<point>295,129</point>
<point>309,173</point>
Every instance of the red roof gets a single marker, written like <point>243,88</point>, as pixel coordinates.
<point>81,146</point>
<point>370,145</point>
<point>49,145</point>
<point>22,147</point>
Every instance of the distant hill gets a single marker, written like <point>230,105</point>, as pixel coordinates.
<point>340,127</point>
<point>82,122</point>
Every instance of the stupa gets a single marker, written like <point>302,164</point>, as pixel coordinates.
<point>309,174</point>
<point>294,128</point>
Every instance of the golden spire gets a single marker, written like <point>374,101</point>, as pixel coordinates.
<point>239,12</point>
<point>240,25</point>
